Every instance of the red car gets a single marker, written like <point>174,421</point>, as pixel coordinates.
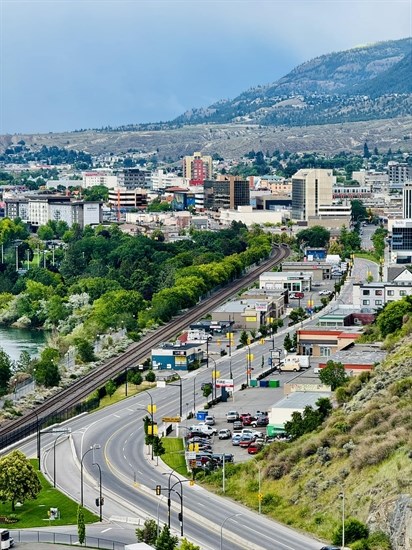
<point>254,448</point>
<point>246,419</point>
<point>246,440</point>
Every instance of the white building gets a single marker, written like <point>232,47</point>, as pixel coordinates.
<point>99,177</point>
<point>248,216</point>
<point>311,189</point>
<point>161,179</point>
<point>369,297</point>
<point>294,281</point>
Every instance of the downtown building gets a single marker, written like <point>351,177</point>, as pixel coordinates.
<point>226,192</point>
<point>197,168</point>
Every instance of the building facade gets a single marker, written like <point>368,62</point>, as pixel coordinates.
<point>311,189</point>
<point>197,168</point>
<point>374,296</point>
<point>226,192</point>
<point>133,178</point>
<point>125,198</point>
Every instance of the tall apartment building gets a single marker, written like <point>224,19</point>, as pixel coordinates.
<point>197,168</point>
<point>407,201</point>
<point>133,178</point>
<point>123,198</point>
<point>161,180</point>
<point>399,173</point>
<point>311,189</point>
<point>226,192</point>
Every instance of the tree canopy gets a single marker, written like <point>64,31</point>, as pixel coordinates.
<point>18,479</point>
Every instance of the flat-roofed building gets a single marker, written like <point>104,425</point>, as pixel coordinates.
<point>311,189</point>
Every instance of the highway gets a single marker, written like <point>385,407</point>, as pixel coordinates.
<point>130,476</point>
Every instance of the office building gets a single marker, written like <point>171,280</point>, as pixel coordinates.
<point>99,177</point>
<point>399,173</point>
<point>133,178</point>
<point>312,188</point>
<point>197,168</point>
<point>226,192</point>
<point>124,198</point>
<point>407,201</point>
<point>401,243</point>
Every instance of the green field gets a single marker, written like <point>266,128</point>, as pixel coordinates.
<point>34,513</point>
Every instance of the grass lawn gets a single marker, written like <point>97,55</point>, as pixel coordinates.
<point>33,513</point>
<point>366,256</point>
<point>120,393</point>
<point>174,456</point>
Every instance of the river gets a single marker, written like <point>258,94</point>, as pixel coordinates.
<point>14,341</point>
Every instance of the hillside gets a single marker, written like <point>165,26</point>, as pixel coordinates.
<point>363,448</point>
<point>329,88</point>
<point>231,140</point>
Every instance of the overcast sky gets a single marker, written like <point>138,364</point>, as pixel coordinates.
<point>71,64</point>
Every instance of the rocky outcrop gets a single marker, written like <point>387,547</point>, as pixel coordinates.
<point>394,517</point>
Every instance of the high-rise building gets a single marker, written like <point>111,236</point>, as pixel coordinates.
<point>197,168</point>
<point>133,178</point>
<point>226,192</point>
<point>407,201</point>
<point>399,173</point>
<point>311,189</point>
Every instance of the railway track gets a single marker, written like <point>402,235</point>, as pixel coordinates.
<point>134,354</point>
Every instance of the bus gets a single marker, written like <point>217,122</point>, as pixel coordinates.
<point>6,541</point>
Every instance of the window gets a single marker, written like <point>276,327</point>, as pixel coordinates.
<point>402,293</point>
<point>365,302</point>
<point>391,293</point>
<point>378,292</point>
<point>378,302</point>
<point>366,292</point>
<point>324,351</point>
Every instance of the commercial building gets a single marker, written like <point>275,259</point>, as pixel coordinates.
<point>249,216</point>
<point>401,242</point>
<point>197,168</point>
<point>127,198</point>
<point>161,180</point>
<point>324,342</point>
<point>133,178</point>
<point>226,192</point>
<point>407,201</point>
<point>37,210</point>
<point>177,356</point>
<point>374,296</point>
<point>311,189</point>
<point>99,177</point>
<point>358,358</point>
<point>295,281</point>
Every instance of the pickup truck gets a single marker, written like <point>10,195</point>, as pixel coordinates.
<point>231,416</point>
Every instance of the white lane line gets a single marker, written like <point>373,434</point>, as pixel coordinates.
<point>105,530</point>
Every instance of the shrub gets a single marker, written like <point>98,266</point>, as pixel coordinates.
<point>361,544</point>
<point>379,541</point>
<point>150,376</point>
<point>354,531</point>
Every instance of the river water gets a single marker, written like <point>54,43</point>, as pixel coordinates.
<point>14,341</point>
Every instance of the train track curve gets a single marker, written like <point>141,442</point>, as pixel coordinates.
<point>134,354</point>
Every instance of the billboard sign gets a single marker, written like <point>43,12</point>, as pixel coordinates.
<point>224,383</point>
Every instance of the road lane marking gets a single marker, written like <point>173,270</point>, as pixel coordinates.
<point>105,530</point>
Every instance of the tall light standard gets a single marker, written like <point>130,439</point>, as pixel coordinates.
<point>221,527</point>
<point>151,410</point>
<point>249,359</point>
<point>100,491</point>
<point>181,393</point>
<point>342,495</point>
<point>92,448</point>
<point>38,440</point>
<point>214,376</point>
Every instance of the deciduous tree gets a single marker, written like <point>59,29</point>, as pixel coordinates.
<point>18,479</point>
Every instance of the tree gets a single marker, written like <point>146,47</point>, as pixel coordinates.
<point>150,376</point>
<point>354,530</point>
<point>136,378</point>
<point>148,532</point>
<point>158,448</point>
<point>81,526</point>
<point>187,545</point>
<point>243,339</point>
<point>165,540</point>
<point>85,350</point>
<point>316,236</point>
<point>333,375</point>
<point>110,387</point>
<point>391,318</point>
<point>207,390</point>
<point>18,479</point>
<point>287,343</point>
<point>5,371</point>
<point>46,369</point>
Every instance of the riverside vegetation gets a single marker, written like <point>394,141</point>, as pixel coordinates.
<point>363,449</point>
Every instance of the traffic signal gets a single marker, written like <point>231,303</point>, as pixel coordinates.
<point>180,517</point>
<point>158,490</point>
<point>97,501</point>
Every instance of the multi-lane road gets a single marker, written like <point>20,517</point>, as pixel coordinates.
<point>130,476</point>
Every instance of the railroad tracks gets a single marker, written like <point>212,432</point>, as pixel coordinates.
<point>135,353</point>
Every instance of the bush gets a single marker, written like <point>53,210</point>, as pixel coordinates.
<point>354,531</point>
<point>150,376</point>
<point>360,545</point>
<point>379,541</point>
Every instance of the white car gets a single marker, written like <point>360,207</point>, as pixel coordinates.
<point>204,428</point>
<point>324,292</point>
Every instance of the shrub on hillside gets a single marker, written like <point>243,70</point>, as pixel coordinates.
<point>355,530</point>
<point>375,449</point>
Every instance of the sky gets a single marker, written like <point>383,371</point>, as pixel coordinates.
<point>73,64</point>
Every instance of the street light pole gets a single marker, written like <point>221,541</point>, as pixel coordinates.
<point>181,394</point>
<point>221,527</point>
<point>38,440</point>
<point>343,518</point>
<point>92,448</point>
<point>100,491</point>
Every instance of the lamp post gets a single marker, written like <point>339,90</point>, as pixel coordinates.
<point>169,490</point>
<point>221,527</point>
<point>181,393</point>
<point>92,448</point>
<point>151,412</point>
<point>214,374</point>
<point>38,440</point>
<point>100,491</point>
<point>249,359</point>
<point>342,495</point>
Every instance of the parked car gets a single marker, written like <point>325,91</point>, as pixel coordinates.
<point>210,420</point>
<point>224,434</point>
<point>324,292</point>
<point>249,431</point>
<point>262,421</point>
<point>296,295</point>
<point>236,440</point>
<point>197,433</point>
<point>254,448</point>
<point>237,425</point>
<point>231,416</point>
<point>330,548</point>
<point>219,458</point>
<point>246,440</point>
<point>205,428</point>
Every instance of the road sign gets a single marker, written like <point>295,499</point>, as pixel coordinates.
<point>260,496</point>
<point>167,419</point>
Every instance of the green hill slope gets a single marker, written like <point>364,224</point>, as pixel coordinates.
<point>364,449</point>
